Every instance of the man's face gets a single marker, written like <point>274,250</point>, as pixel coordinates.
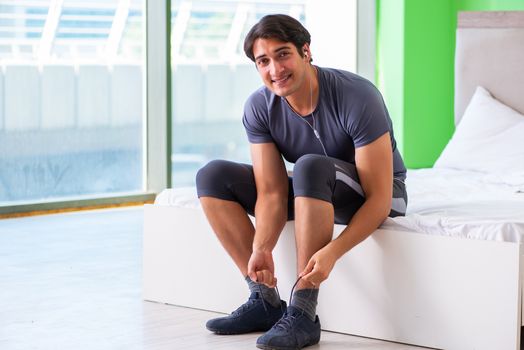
<point>282,68</point>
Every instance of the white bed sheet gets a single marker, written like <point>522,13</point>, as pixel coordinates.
<point>463,204</point>
<point>441,202</point>
<point>178,197</point>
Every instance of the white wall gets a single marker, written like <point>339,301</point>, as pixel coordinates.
<point>333,28</point>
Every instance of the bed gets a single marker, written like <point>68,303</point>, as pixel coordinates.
<point>449,274</point>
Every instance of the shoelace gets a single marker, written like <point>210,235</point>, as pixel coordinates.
<point>286,322</point>
<point>244,306</point>
<point>264,301</point>
<point>249,302</point>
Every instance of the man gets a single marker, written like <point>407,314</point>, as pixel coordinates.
<point>336,129</point>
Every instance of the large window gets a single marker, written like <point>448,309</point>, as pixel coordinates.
<point>72,90</point>
<point>71,99</point>
<point>212,77</point>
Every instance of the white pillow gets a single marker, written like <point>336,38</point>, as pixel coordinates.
<point>489,138</point>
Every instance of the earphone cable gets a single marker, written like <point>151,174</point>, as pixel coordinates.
<point>317,135</point>
<point>314,126</point>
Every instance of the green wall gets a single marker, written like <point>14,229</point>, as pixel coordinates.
<point>415,56</point>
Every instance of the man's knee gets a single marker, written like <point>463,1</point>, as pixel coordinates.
<point>311,166</point>
<point>313,176</point>
<point>210,174</point>
<point>227,180</point>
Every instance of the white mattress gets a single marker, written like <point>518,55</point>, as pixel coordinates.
<point>463,204</point>
<point>441,202</point>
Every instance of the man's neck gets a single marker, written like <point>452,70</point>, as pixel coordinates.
<point>304,100</point>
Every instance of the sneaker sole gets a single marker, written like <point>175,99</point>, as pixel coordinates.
<point>268,347</point>
<point>224,332</point>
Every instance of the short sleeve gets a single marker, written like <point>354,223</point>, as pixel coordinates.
<point>256,119</point>
<point>369,119</point>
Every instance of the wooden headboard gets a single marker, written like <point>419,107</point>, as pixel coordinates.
<point>490,53</point>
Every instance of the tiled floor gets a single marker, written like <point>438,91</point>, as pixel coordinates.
<point>73,281</point>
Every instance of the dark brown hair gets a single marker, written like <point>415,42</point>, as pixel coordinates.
<point>281,27</point>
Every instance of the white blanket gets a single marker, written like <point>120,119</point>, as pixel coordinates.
<point>441,202</point>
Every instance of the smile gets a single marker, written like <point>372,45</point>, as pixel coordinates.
<point>281,80</point>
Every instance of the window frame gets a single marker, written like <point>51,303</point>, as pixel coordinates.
<point>156,137</point>
<point>366,39</point>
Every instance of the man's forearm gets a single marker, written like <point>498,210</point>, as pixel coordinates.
<point>365,221</point>
<point>271,216</point>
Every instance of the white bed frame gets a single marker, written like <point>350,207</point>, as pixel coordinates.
<point>434,291</point>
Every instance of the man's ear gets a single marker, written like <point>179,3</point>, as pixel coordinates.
<point>305,50</point>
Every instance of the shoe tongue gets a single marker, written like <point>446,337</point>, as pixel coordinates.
<point>254,295</point>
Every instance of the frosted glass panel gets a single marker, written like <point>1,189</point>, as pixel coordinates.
<point>71,75</point>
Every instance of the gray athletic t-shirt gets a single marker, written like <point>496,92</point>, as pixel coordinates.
<point>350,113</point>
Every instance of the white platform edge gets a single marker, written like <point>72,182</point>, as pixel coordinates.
<point>433,291</point>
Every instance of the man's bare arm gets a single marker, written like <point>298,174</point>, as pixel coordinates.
<point>270,209</point>
<point>374,163</point>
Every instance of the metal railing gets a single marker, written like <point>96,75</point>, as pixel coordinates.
<point>203,32</point>
<point>69,30</point>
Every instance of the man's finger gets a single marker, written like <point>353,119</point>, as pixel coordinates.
<point>263,276</point>
<point>253,276</point>
<point>313,276</point>
<point>259,277</point>
<point>310,278</point>
<point>309,267</point>
<point>307,277</point>
<point>266,277</point>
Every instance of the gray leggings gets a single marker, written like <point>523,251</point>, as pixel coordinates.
<point>314,176</point>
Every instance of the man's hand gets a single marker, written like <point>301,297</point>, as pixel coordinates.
<point>261,269</point>
<point>319,266</point>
